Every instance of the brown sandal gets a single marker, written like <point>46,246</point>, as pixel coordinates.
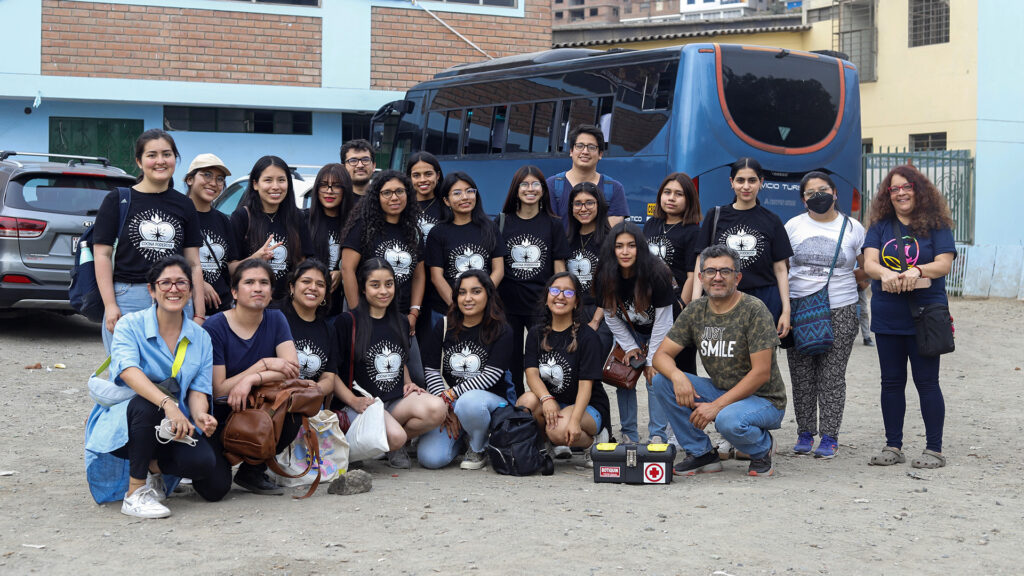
<point>888,456</point>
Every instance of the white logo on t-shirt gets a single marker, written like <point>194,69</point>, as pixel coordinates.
<point>553,370</point>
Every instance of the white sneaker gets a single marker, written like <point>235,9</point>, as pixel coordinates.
<point>562,453</point>
<point>655,440</point>
<point>156,482</point>
<point>473,460</point>
<point>143,503</point>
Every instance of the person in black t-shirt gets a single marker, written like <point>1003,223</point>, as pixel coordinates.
<point>376,360</point>
<point>672,236</point>
<point>466,239</point>
<point>205,180</point>
<point>635,290</point>
<point>563,370</point>
<point>386,225</point>
<point>535,248</point>
<point>268,225</point>
<point>160,222</point>
<point>588,227</point>
<point>425,172</point>
<point>759,237</point>
<point>329,209</point>
<point>465,367</point>
<point>314,338</point>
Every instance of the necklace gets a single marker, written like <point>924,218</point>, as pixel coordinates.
<point>427,207</point>
<point>583,245</point>
<point>665,231</point>
<point>271,216</point>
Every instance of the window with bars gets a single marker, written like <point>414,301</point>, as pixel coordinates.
<point>929,141</point>
<point>858,36</point>
<point>237,120</point>
<point>928,22</point>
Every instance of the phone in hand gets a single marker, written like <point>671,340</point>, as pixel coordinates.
<point>637,362</point>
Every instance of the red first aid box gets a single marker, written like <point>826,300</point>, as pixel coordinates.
<point>633,463</point>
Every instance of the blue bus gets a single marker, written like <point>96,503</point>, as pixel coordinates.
<point>692,109</point>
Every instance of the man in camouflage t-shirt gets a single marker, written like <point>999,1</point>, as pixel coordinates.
<point>745,397</point>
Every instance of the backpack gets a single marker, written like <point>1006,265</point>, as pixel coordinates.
<point>83,293</point>
<point>513,443</point>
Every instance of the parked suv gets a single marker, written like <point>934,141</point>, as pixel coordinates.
<point>44,207</point>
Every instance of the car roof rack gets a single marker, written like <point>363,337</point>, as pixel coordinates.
<point>5,154</point>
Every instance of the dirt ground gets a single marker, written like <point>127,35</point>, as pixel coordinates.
<point>813,517</point>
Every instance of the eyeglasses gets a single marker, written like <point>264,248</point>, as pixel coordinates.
<point>324,186</point>
<point>580,147</point>
<point>535,185</point>
<point>364,161</point>
<point>906,186</point>
<point>712,272</point>
<point>180,285</point>
<point>568,292</point>
<point>811,192</point>
<point>584,204</point>
<point>390,193</point>
<point>460,193</point>
<point>210,177</point>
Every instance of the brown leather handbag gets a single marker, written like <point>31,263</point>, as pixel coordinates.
<point>251,435</point>
<point>617,372</point>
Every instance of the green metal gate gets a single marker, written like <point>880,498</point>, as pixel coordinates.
<point>952,172</point>
<point>111,138</point>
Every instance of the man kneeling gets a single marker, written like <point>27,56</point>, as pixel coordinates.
<point>745,396</point>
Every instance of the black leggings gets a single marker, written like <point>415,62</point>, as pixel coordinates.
<point>204,463</point>
<point>289,430</point>
<point>520,324</point>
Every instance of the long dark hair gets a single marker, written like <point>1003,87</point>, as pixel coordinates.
<point>747,162</point>
<point>478,216</point>
<point>312,264</point>
<point>601,227</point>
<point>259,228</point>
<point>930,209</point>
<point>370,214</point>
<point>512,200</point>
<point>650,271</point>
<point>428,158</point>
<point>394,318</point>
<point>149,136</point>
<point>493,324</point>
<point>319,225</point>
<point>691,213</point>
<point>577,311</point>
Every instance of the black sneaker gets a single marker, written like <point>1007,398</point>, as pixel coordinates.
<point>256,481</point>
<point>703,464</point>
<point>763,466</point>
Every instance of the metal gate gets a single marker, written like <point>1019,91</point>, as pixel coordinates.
<point>112,138</point>
<point>952,172</point>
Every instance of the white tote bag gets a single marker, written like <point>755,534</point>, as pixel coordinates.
<point>334,453</point>
<point>367,436</point>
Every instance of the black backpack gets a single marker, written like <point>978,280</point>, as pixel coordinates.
<point>513,444</point>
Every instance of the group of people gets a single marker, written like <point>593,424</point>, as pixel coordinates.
<point>397,286</point>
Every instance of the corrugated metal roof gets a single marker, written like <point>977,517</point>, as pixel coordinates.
<point>677,35</point>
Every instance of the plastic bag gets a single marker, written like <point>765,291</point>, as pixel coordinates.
<point>367,436</point>
<point>334,453</point>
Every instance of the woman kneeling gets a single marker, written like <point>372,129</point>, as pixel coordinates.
<point>166,359</point>
<point>563,363</point>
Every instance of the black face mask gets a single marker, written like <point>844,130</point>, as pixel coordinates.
<point>821,202</point>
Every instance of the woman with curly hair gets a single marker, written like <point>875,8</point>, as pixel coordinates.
<point>563,369</point>
<point>911,212</point>
<point>465,366</point>
<point>635,289</point>
<point>385,224</point>
<point>331,203</point>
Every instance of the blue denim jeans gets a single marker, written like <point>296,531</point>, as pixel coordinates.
<point>657,425</point>
<point>437,450</point>
<point>745,424</point>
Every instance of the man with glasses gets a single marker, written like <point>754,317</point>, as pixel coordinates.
<point>745,396</point>
<point>586,145</point>
<point>357,156</point>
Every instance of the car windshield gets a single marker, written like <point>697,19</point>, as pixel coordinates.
<point>79,194</point>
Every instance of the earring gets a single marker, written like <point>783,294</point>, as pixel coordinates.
<point>323,302</point>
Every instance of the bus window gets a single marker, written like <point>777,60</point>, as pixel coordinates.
<point>452,129</point>
<point>543,124</point>
<point>790,101</point>
<point>574,113</point>
<point>478,131</point>
<point>644,103</point>
<point>435,131</point>
<point>520,121</point>
<point>499,129</point>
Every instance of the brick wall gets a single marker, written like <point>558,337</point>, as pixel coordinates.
<point>163,43</point>
<point>409,46</point>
